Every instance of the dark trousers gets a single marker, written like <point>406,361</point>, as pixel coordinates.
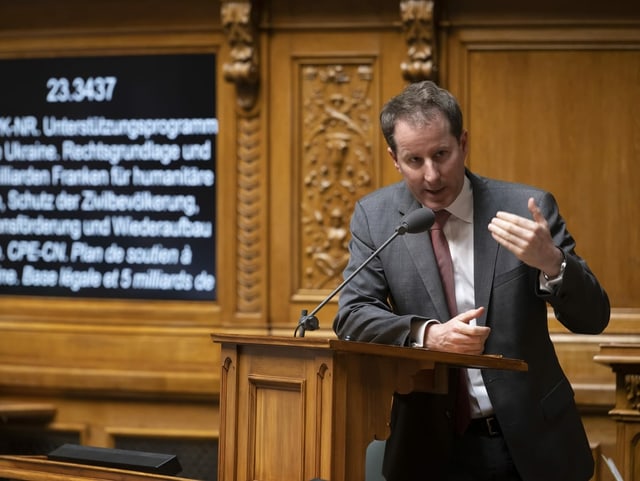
<point>423,446</point>
<point>479,457</point>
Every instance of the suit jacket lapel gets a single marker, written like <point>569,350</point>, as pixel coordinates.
<point>486,248</point>
<point>419,246</point>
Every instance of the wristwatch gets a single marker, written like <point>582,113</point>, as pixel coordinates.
<point>551,281</point>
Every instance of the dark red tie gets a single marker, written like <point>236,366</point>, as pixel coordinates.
<point>443,257</point>
<point>445,266</point>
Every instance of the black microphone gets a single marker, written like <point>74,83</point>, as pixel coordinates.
<point>417,221</point>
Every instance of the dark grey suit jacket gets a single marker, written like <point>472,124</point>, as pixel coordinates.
<point>535,409</point>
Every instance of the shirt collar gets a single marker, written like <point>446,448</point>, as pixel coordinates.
<point>462,207</point>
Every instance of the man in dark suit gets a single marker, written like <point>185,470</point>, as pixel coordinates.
<point>512,254</point>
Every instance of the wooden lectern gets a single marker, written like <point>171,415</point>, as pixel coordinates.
<point>296,409</point>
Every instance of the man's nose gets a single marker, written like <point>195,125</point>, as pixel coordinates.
<point>431,172</point>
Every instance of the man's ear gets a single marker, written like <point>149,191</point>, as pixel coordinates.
<point>464,142</point>
<point>395,159</point>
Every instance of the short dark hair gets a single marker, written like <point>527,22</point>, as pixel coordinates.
<point>417,104</point>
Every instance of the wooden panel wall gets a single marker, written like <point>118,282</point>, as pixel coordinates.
<point>550,93</point>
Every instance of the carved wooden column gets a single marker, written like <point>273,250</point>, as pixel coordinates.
<point>624,360</point>
<point>239,19</point>
<point>419,28</point>
<point>336,166</point>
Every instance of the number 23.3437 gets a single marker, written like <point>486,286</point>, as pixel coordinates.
<point>91,89</point>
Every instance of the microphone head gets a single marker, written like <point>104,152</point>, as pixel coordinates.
<point>417,221</point>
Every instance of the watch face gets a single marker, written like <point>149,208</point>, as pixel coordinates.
<point>557,278</point>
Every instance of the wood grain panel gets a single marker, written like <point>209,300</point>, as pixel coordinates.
<point>276,414</point>
<point>566,121</point>
<point>39,15</point>
<point>283,405</point>
<point>176,362</point>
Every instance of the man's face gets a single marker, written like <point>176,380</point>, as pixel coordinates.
<point>431,160</point>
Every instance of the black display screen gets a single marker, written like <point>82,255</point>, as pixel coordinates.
<point>107,177</point>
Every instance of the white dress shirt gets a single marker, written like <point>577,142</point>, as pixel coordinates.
<point>459,233</point>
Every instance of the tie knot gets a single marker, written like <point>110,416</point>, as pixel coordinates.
<point>441,219</point>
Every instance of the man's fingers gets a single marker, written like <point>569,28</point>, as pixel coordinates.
<point>458,335</point>
<point>468,316</point>
<point>514,219</point>
<point>509,232</point>
<point>466,328</point>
